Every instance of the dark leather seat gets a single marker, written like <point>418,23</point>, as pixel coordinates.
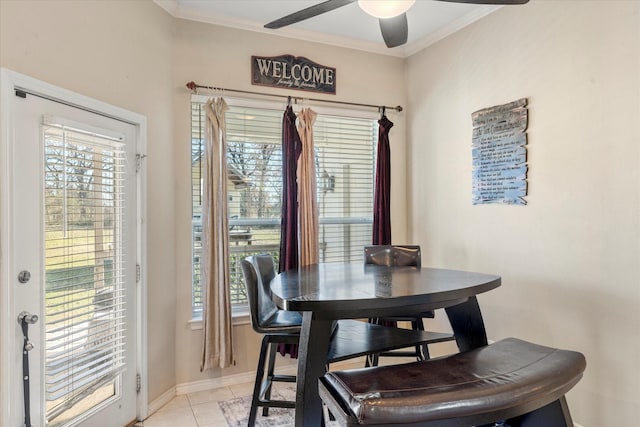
<point>393,255</point>
<point>277,326</point>
<point>398,256</point>
<point>266,317</point>
<point>512,380</point>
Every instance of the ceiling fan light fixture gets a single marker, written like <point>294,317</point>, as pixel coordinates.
<point>385,9</point>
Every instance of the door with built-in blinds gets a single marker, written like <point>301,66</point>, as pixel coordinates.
<point>74,252</point>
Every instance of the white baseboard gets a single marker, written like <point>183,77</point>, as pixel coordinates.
<point>212,383</point>
<point>577,425</point>
<point>195,386</point>
<point>160,401</point>
<point>248,377</point>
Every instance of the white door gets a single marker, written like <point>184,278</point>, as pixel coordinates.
<point>71,215</point>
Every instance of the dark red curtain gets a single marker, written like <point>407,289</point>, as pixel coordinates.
<point>291,148</point>
<point>382,190</point>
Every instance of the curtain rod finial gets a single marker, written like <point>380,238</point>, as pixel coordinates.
<point>398,108</point>
<point>192,86</point>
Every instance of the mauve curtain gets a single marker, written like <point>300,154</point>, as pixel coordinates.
<point>382,190</point>
<point>291,147</point>
<point>216,308</point>
<point>307,200</point>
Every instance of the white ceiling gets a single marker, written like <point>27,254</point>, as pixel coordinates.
<point>348,26</point>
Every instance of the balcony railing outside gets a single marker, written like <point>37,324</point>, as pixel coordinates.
<point>341,240</point>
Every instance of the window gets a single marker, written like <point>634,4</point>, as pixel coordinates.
<point>344,152</point>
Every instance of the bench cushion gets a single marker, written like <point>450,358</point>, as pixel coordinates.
<point>507,374</point>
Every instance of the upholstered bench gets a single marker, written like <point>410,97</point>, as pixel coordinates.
<point>512,380</point>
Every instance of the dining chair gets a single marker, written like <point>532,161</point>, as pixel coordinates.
<point>398,256</point>
<point>277,326</point>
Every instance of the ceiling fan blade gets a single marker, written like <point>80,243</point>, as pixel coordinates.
<point>394,30</point>
<point>497,2</point>
<point>307,13</point>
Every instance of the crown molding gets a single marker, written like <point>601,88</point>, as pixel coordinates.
<point>447,30</point>
<point>194,14</point>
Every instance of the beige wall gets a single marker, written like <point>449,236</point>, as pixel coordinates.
<point>570,260</point>
<point>134,55</point>
<point>219,56</point>
<point>117,52</point>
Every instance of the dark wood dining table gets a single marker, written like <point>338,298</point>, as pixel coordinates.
<point>328,292</point>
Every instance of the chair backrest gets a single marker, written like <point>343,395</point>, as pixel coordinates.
<point>258,270</point>
<point>393,255</point>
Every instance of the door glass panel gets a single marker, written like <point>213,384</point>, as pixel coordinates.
<point>84,232</point>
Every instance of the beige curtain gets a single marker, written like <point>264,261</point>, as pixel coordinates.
<point>216,312</point>
<point>307,198</point>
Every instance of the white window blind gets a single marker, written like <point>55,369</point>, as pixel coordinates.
<point>344,163</point>
<point>83,258</point>
<point>345,168</point>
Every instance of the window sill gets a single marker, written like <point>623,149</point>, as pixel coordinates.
<point>240,316</point>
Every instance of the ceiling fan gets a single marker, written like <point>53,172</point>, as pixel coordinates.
<point>391,15</point>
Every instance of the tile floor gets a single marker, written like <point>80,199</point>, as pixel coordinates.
<point>197,409</point>
<point>200,410</point>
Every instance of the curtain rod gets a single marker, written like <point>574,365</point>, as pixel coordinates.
<point>194,87</point>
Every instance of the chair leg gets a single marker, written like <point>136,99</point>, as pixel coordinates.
<point>270,372</point>
<point>372,359</point>
<point>425,352</point>
<point>555,414</point>
<point>418,350</point>
<point>258,384</point>
<point>424,348</point>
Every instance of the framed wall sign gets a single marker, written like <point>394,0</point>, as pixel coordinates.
<point>292,72</point>
<point>499,154</point>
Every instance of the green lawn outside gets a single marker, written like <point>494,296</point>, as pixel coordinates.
<point>77,249</point>
<point>61,304</point>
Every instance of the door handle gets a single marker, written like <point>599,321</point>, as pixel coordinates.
<point>27,317</point>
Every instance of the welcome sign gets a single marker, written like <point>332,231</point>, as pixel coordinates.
<point>293,72</point>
